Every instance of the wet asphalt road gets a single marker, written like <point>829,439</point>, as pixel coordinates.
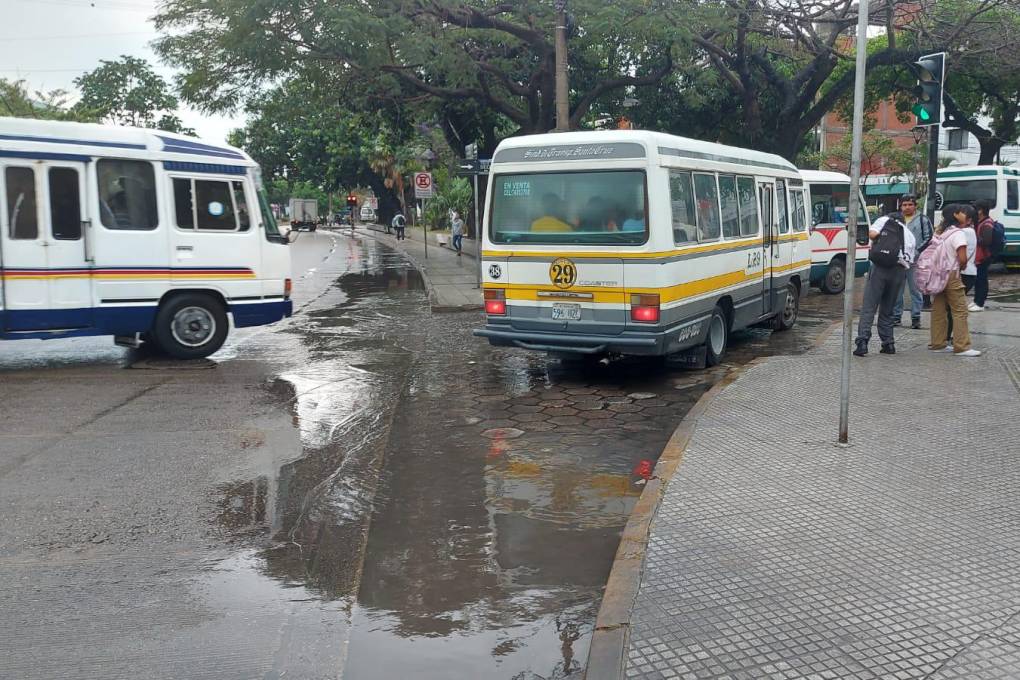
<point>363,491</point>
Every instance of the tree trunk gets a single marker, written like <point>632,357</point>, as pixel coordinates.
<point>389,204</point>
<point>990,147</point>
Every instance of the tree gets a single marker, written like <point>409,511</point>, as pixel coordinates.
<point>493,61</point>
<point>878,152</point>
<point>129,92</point>
<point>18,102</point>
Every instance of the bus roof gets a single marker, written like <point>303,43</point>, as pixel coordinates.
<point>977,171</point>
<point>50,139</point>
<point>824,177</point>
<point>592,141</point>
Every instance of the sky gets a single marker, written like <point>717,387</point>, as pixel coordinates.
<point>49,43</point>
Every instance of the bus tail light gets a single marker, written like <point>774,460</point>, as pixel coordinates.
<point>644,308</point>
<point>495,302</point>
<point>287,286</point>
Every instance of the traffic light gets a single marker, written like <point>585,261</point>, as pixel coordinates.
<point>352,201</point>
<point>931,71</point>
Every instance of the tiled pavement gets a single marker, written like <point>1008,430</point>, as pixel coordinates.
<point>776,554</point>
<point>452,280</point>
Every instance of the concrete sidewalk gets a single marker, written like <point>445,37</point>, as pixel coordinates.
<point>777,554</point>
<point>452,281</point>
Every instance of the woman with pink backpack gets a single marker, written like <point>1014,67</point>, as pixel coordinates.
<point>938,274</point>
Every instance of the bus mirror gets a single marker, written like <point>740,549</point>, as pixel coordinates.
<point>293,235</point>
<point>862,234</point>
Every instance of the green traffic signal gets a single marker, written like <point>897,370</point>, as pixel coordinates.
<point>922,112</point>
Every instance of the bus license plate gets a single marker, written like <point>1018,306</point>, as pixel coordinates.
<point>566,311</point>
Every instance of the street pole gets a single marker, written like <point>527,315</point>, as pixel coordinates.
<point>562,93</point>
<point>933,169</point>
<point>478,235</point>
<point>851,228</point>
<point>425,228</point>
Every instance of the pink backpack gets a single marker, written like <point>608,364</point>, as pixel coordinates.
<point>935,264</point>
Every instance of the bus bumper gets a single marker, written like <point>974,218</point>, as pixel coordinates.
<point>645,344</point>
<point>261,313</point>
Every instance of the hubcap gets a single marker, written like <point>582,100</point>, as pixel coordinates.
<point>836,276</point>
<point>193,326</point>
<point>790,310</point>
<point>717,335</point>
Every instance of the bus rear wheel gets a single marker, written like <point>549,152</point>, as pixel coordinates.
<point>718,337</point>
<point>787,317</point>
<point>190,326</point>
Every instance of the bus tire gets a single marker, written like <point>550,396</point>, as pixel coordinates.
<point>787,316</point>
<point>190,326</point>
<point>718,337</point>
<point>835,276</point>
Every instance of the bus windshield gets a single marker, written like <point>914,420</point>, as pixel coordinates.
<point>555,208</point>
<point>830,204</point>
<point>966,190</point>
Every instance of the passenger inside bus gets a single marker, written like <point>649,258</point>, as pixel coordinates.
<point>553,217</point>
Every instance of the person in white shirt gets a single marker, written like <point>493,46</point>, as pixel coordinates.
<point>885,280</point>
<point>969,273</point>
<point>953,300</point>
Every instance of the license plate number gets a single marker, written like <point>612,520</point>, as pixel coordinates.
<point>566,311</point>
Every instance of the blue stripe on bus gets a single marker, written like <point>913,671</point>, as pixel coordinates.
<point>172,145</point>
<point>74,142</point>
<point>212,168</point>
<point>45,156</point>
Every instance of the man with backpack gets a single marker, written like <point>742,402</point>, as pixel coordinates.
<point>920,226</point>
<point>892,252</point>
<point>399,223</point>
<point>991,240</point>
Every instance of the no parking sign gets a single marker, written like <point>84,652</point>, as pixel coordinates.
<point>423,185</point>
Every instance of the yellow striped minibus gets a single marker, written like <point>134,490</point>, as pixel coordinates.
<point>639,243</point>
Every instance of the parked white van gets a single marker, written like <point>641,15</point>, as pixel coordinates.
<point>828,207</point>
<point>139,234</point>
<point>995,183</point>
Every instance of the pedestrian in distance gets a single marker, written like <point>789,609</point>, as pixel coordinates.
<point>457,230</point>
<point>399,223</point>
<point>987,243</point>
<point>891,254</point>
<point>920,226</point>
<point>938,274</point>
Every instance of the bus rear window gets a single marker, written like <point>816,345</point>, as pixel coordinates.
<point>570,207</point>
<point>967,191</point>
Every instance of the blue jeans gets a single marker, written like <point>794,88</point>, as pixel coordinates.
<point>916,298</point>
<point>457,242</point>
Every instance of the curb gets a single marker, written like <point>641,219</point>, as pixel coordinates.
<point>434,305</point>
<point>607,654</point>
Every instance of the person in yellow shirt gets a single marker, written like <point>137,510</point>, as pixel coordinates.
<point>552,220</point>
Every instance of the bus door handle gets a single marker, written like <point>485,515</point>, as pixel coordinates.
<point>86,230</point>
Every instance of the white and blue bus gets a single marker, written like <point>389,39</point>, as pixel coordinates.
<point>142,235</point>
<point>995,183</point>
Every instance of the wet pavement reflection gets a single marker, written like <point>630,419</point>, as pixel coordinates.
<point>464,502</point>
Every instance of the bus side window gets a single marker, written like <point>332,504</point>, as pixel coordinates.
<point>241,206</point>
<point>728,201</point>
<point>748,201</point>
<point>784,214</point>
<point>797,208</point>
<point>681,196</point>
<point>127,194</point>
<point>707,193</point>
<point>21,207</point>
<point>65,204</point>
<point>1013,194</point>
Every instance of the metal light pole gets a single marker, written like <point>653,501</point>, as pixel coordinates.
<point>562,92</point>
<point>851,228</point>
<point>427,157</point>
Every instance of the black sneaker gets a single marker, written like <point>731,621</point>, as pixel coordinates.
<point>888,349</point>
<point>916,324</point>
<point>862,348</point>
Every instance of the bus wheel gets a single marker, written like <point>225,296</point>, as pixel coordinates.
<point>190,326</point>
<point>718,337</point>
<point>787,317</point>
<point>835,276</point>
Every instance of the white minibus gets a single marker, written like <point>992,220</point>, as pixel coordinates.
<point>828,208</point>
<point>635,242</point>
<point>139,234</point>
<point>995,183</point>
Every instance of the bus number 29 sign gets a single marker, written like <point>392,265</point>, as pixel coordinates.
<point>423,185</point>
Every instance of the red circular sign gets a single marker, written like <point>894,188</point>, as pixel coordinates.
<point>422,180</point>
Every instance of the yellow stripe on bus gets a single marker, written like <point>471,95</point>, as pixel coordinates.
<point>620,254</point>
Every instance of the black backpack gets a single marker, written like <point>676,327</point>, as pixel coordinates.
<point>885,251</point>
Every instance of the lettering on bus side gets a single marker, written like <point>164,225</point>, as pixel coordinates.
<point>754,262</point>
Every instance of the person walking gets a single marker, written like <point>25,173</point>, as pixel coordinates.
<point>983,259</point>
<point>920,226</point>
<point>951,301</point>
<point>457,230</point>
<point>399,223</point>
<point>891,254</point>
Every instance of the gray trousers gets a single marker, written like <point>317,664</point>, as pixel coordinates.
<point>884,284</point>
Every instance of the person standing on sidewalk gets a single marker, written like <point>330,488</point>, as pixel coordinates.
<point>966,217</point>
<point>399,223</point>
<point>951,301</point>
<point>983,259</point>
<point>920,226</point>
<point>892,252</point>
<point>457,230</point>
